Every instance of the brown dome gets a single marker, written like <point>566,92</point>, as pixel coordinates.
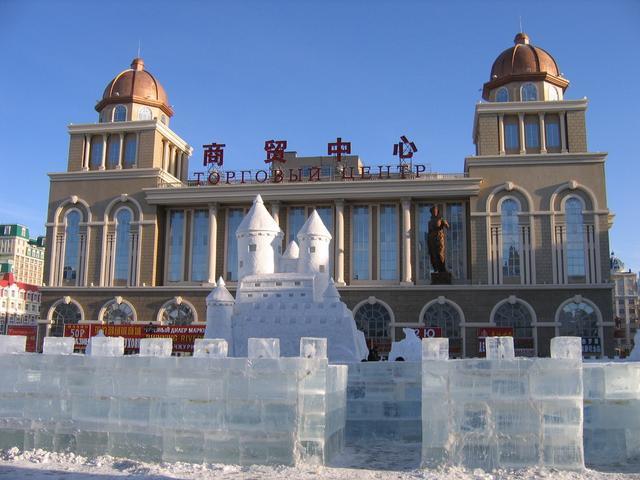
<point>135,85</point>
<point>524,62</point>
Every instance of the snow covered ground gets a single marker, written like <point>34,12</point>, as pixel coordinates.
<point>380,461</point>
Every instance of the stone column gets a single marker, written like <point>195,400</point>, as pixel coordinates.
<point>543,134</point>
<point>172,160</point>
<point>501,132</point>
<point>563,138</point>
<point>406,242</point>
<point>103,160</point>
<point>523,148</point>
<point>339,280</point>
<point>185,167</point>
<point>121,152</point>
<point>87,152</point>
<point>213,241</point>
<point>137,160</point>
<point>178,164</point>
<point>165,155</point>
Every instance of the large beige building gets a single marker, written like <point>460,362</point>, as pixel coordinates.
<point>626,305</point>
<point>134,239</point>
<point>21,255</point>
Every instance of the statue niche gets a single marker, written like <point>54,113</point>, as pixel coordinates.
<point>437,244</point>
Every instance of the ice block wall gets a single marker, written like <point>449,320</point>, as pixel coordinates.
<point>612,413</point>
<point>383,400</point>
<point>228,410</point>
<point>502,413</point>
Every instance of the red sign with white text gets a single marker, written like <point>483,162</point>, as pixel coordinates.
<point>428,332</point>
<point>484,332</point>
<point>29,331</point>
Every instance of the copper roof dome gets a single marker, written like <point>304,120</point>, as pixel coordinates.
<point>135,85</point>
<point>523,62</point>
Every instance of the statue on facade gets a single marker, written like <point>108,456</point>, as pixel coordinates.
<point>436,243</point>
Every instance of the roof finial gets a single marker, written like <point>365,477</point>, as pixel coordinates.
<point>520,26</point>
<point>138,56</point>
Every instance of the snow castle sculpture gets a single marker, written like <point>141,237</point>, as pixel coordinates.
<point>635,353</point>
<point>286,296</point>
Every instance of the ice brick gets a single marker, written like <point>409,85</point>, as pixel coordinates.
<point>264,348</point>
<point>566,347</point>
<point>12,344</point>
<point>210,347</point>
<point>58,345</point>
<point>499,348</point>
<point>313,347</point>
<point>106,346</point>
<point>435,348</point>
<point>156,347</point>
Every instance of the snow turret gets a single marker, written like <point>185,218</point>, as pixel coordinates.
<point>331,293</point>
<point>258,236</point>
<point>219,313</point>
<point>289,260</point>
<point>314,240</point>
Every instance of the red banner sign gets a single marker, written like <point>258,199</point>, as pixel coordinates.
<point>29,331</point>
<point>484,332</point>
<point>428,332</point>
<point>183,336</point>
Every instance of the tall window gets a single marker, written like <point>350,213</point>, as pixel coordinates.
<point>175,258</point>
<point>529,92</point>
<point>326,215</point>
<point>120,113</point>
<point>200,246</point>
<point>424,262</point>
<point>373,319</point>
<point>64,313</point>
<point>113,157</point>
<point>532,133</point>
<point>177,314</point>
<point>118,313</point>
<point>388,241</point>
<point>234,218</point>
<point>517,316</point>
<point>71,264</point>
<point>510,238</point>
<point>130,147</point>
<point>511,134</point>
<point>552,132</point>
<point>502,95</point>
<point>145,113</point>
<point>455,239</point>
<point>447,318</point>
<point>360,248</point>
<point>578,319</point>
<point>295,220</point>
<point>575,238</point>
<point>122,265</point>
<point>95,159</point>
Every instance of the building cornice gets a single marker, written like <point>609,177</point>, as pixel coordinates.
<point>132,126</point>
<point>570,158</point>
<point>98,175</point>
<point>312,191</point>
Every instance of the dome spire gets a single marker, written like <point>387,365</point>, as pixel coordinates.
<point>521,39</point>
<point>137,64</point>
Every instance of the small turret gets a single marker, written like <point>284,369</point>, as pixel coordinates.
<point>220,305</point>
<point>314,239</point>
<point>289,260</point>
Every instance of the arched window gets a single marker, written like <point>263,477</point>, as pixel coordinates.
<point>145,113</point>
<point>502,95</point>
<point>95,158</point>
<point>72,254</point>
<point>374,320</point>
<point>516,315</point>
<point>578,319</point>
<point>510,238</point>
<point>120,113</point>
<point>446,316</point>
<point>122,264</point>
<point>130,150</point>
<point>174,313</point>
<point>113,156</point>
<point>529,92</point>
<point>64,313</point>
<point>575,249</point>
<point>115,312</point>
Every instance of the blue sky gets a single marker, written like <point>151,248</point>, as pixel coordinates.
<point>243,72</point>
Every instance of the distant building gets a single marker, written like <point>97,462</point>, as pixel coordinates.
<point>19,303</point>
<point>21,255</point>
<point>626,305</point>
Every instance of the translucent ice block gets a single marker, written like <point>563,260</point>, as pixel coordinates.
<point>12,344</point>
<point>499,348</point>
<point>156,347</point>
<point>210,347</point>
<point>566,347</point>
<point>313,347</point>
<point>106,346</point>
<point>58,345</point>
<point>435,348</point>
<point>264,348</point>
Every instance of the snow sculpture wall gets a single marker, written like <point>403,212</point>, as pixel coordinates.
<point>286,296</point>
<point>229,410</point>
<point>635,353</point>
<point>383,400</point>
<point>409,348</point>
<point>611,413</point>
<point>510,412</point>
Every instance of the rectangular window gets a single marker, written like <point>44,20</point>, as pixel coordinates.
<point>388,238</point>
<point>295,219</point>
<point>175,257</point>
<point>511,134</point>
<point>200,246</point>
<point>114,151</point>
<point>360,243</point>
<point>95,158</point>
<point>130,147</point>
<point>552,133</point>
<point>326,215</point>
<point>234,218</point>
<point>532,133</point>
<point>455,239</point>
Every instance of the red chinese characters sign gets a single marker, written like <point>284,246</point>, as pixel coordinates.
<point>29,331</point>
<point>275,150</point>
